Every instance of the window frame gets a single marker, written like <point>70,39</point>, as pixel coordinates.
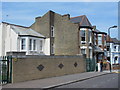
<point>30,44</point>
<point>99,40</point>
<point>83,35</point>
<point>84,50</point>
<point>34,45</point>
<point>23,44</point>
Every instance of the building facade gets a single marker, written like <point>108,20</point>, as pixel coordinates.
<point>100,50</point>
<point>113,49</point>
<point>68,35</point>
<point>22,39</point>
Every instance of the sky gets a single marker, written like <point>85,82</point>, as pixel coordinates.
<point>101,14</point>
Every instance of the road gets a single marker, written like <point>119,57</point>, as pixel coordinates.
<point>104,81</point>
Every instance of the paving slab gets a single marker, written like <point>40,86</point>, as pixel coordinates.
<point>55,81</point>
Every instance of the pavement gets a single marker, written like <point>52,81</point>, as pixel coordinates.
<point>52,82</point>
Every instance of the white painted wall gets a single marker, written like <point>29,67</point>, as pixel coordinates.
<point>10,41</point>
<point>47,46</point>
<point>114,53</point>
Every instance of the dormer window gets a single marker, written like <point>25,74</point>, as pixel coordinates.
<point>52,31</point>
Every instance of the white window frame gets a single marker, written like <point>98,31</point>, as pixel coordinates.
<point>22,45</point>
<point>81,35</point>
<point>115,48</point>
<point>31,44</point>
<point>34,45</point>
<point>83,49</point>
<point>99,40</point>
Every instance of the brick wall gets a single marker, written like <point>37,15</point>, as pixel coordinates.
<point>37,67</point>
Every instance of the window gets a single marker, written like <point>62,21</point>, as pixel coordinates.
<point>114,48</point>
<point>52,31</point>
<point>34,44</point>
<point>83,51</point>
<point>115,59</point>
<point>95,39</point>
<point>41,45</point>
<point>30,44</point>
<point>108,48</point>
<point>82,34</point>
<point>23,42</point>
<point>52,48</point>
<point>99,40</point>
<point>104,40</point>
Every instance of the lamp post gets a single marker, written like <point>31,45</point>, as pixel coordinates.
<point>109,43</point>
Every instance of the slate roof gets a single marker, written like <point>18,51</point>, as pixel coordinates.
<point>115,41</point>
<point>99,32</point>
<point>81,20</point>
<point>26,31</point>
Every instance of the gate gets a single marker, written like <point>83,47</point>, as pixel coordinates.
<point>5,69</point>
<point>90,65</point>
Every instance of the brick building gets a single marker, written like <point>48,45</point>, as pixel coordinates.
<point>68,35</point>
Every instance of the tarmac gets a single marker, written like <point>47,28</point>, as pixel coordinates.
<point>49,83</point>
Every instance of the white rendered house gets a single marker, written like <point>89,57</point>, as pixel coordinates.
<point>22,39</point>
<point>114,51</point>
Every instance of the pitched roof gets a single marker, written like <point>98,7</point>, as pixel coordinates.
<point>115,41</point>
<point>14,24</point>
<point>81,20</point>
<point>26,31</point>
<point>99,32</point>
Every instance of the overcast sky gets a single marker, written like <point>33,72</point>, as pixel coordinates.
<point>101,14</point>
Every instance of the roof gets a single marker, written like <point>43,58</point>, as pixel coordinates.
<point>14,24</point>
<point>81,20</point>
<point>25,31</point>
<point>99,32</point>
<point>115,41</point>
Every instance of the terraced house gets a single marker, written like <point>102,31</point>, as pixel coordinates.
<point>113,50</point>
<point>100,46</point>
<point>55,34</point>
<point>68,35</point>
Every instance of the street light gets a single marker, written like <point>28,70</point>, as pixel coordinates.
<point>109,42</point>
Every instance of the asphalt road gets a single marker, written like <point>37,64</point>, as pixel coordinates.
<point>104,81</point>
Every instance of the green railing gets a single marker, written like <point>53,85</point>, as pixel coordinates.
<point>5,69</point>
<point>90,65</point>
